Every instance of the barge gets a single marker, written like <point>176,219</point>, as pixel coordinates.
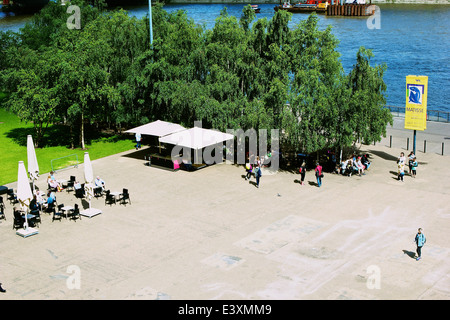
<point>330,7</point>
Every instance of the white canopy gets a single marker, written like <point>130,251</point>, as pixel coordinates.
<point>33,167</point>
<point>196,138</point>
<point>157,128</point>
<point>24,194</point>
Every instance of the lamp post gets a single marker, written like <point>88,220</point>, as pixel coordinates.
<point>150,21</point>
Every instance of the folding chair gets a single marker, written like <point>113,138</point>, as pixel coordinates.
<point>124,196</point>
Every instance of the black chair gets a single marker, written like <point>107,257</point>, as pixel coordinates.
<point>71,184</point>
<point>109,198</point>
<point>2,204</point>
<point>51,207</point>
<point>98,192</point>
<point>75,213</point>
<point>18,220</point>
<point>36,220</point>
<point>2,213</point>
<point>79,193</point>
<point>58,214</point>
<point>12,197</point>
<point>124,197</point>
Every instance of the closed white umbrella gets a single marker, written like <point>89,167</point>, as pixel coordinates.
<point>24,196</point>
<point>88,177</point>
<point>89,186</point>
<point>33,167</point>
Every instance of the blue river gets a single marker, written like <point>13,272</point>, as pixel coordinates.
<point>411,40</point>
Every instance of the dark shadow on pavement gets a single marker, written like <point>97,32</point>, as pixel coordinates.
<point>384,155</point>
<point>410,254</point>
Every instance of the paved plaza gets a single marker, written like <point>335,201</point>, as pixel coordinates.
<point>210,234</point>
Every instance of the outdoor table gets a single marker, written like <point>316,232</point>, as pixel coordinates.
<point>29,218</point>
<point>115,194</point>
<point>66,209</point>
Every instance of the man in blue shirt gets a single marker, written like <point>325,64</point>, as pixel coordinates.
<point>138,140</point>
<point>420,241</point>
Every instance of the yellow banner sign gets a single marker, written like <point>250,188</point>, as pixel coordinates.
<point>416,102</point>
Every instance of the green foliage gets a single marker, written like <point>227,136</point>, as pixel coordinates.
<point>242,73</point>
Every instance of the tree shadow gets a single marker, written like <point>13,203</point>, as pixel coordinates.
<point>384,155</point>
<point>410,254</point>
<point>59,135</point>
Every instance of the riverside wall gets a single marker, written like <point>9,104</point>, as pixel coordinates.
<point>431,2</point>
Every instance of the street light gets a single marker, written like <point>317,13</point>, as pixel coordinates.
<point>150,21</point>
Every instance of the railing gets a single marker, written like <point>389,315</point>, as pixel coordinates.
<point>65,162</point>
<point>432,115</point>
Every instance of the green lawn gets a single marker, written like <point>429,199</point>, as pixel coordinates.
<point>13,147</point>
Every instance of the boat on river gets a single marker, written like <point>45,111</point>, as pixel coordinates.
<point>256,8</point>
<point>305,6</point>
<point>330,7</point>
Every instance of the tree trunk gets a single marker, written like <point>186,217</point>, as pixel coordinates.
<point>82,132</point>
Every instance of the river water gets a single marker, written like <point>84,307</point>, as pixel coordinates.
<point>411,40</point>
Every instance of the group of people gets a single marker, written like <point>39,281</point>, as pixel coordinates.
<point>412,165</point>
<point>256,166</point>
<point>354,164</point>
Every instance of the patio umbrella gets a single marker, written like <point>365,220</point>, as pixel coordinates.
<point>24,196</point>
<point>89,186</point>
<point>33,167</point>
<point>88,178</point>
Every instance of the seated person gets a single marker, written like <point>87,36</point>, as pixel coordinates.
<point>344,166</point>
<point>40,197</point>
<point>99,183</point>
<point>53,184</point>
<point>51,200</point>
<point>34,206</point>
<point>360,166</point>
<point>365,161</point>
<point>77,185</point>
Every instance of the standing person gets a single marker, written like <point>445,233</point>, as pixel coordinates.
<point>414,167</point>
<point>302,172</point>
<point>138,140</point>
<point>401,159</point>
<point>401,171</point>
<point>411,157</point>
<point>319,174</point>
<point>420,241</point>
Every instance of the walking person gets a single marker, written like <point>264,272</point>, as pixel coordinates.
<point>138,140</point>
<point>319,174</point>
<point>258,172</point>
<point>420,242</point>
<point>249,169</point>
<point>302,171</point>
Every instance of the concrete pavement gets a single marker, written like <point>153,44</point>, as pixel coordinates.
<point>210,234</point>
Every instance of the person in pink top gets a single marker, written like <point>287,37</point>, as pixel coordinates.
<point>319,174</point>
